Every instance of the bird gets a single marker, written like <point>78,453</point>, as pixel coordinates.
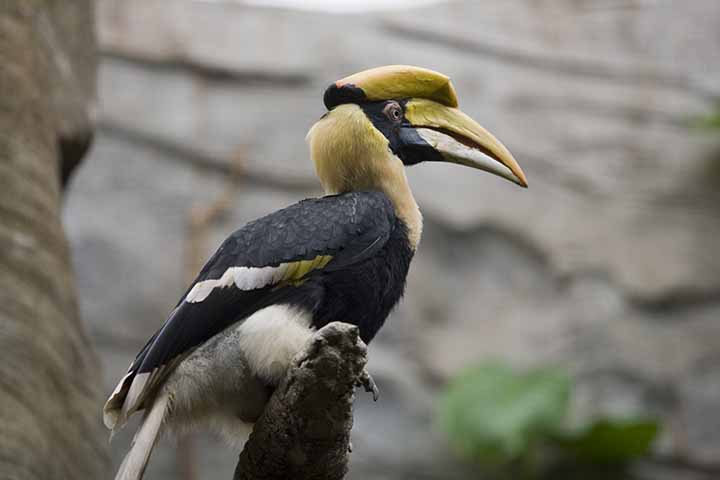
<point>340,257</point>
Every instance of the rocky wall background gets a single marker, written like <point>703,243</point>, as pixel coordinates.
<point>607,265</point>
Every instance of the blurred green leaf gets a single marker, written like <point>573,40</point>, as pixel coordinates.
<point>713,121</point>
<point>710,121</point>
<point>494,414</point>
<point>610,440</point>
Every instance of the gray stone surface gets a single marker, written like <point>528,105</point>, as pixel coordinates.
<point>600,125</point>
<point>606,265</point>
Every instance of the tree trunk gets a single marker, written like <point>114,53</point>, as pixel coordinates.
<point>49,374</point>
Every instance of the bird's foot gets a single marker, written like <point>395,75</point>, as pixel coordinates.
<point>367,382</point>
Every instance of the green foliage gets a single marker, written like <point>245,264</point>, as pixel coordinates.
<point>610,440</point>
<point>499,417</point>
<point>495,414</point>
<point>711,121</point>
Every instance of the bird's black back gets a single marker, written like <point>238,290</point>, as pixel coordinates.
<point>363,281</point>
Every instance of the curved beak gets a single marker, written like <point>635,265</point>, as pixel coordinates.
<point>459,139</point>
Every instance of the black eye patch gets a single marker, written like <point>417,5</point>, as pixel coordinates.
<point>377,114</point>
<point>404,140</point>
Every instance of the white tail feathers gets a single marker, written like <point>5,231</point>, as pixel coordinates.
<point>114,404</point>
<point>133,466</point>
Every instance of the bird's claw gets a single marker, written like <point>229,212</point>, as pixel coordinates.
<point>367,382</point>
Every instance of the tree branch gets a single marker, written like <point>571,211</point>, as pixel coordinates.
<point>304,432</point>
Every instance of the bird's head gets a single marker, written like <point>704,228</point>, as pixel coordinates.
<point>383,119</point>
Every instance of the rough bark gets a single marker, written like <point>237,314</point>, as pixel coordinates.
<point>49,374</point>
<point>304,432</point>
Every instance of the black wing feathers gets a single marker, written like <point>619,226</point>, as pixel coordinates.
<point>349,227</point>
<point>318,226</point>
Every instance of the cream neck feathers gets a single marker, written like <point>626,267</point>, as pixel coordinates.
<point>350,154</point>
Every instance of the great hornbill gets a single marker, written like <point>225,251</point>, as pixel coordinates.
<point>341,257</point>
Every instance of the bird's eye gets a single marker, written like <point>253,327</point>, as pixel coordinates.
<point>393,111</point>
